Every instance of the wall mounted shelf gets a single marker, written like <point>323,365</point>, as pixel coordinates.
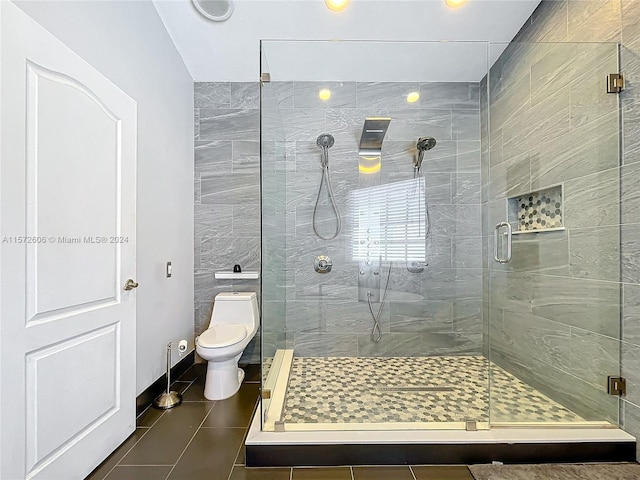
<point>229,275</point>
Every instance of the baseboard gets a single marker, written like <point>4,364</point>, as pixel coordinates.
<point>156,388</point>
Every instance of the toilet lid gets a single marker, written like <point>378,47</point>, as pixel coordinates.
<point>222,335</point>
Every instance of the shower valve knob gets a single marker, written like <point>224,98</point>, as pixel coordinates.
<point>322,264</point>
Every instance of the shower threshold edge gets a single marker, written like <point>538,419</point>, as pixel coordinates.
<point>402,447</point>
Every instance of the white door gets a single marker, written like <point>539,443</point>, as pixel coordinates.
<point>67,227</point>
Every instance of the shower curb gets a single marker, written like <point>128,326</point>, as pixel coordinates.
<point>435,447</point>
<point>437,454</point>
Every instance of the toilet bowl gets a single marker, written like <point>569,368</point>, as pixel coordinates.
<point>234,322</point>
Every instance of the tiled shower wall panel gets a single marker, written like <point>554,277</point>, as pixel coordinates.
<point>436,312</point>
<point>227,194</point>
<point>555,311</point>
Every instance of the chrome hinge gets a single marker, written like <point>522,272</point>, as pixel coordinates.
<point>616,386</point>
<point>615,83</point>
<point>265,77</point>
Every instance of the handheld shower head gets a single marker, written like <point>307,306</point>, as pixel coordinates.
<point>424,144</point>
<point>325,141</point>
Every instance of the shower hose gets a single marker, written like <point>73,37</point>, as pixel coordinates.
<point>376,333</point>
<point>418,267</point>
<point>326,177</point>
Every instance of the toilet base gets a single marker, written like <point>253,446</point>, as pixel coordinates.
<point>223,379</point>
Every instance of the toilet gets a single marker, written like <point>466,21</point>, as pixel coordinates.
<point>234,322</point>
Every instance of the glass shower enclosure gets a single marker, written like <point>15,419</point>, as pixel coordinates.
<point>440,245</point>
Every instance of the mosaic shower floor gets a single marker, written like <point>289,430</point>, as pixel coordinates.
<point>412,389</point>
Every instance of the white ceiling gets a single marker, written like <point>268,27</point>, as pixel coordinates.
<point>230,50</point>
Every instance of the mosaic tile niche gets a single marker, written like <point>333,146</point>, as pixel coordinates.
<point>537,211</point>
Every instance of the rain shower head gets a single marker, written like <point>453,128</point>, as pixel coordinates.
<point>424,144</point>
<point>373,132</point>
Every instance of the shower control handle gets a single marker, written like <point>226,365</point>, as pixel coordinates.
<point>322,264</point>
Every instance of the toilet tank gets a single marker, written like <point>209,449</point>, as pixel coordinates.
<point>236,307</point>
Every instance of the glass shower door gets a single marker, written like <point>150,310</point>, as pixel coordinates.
<point>273,171</point>
<point>391,337</point>
<point>552,172</point>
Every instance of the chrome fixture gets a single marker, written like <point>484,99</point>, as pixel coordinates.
<point>170,398</point>
<point>376,332</point>
<point>418,194</point>
<point>497,258</point>
<point>216,10</point>
<point>322,264</point>
<point>424,144</point>
<point>369,279</point>
<point>325,142</point>
<point>373,132</point>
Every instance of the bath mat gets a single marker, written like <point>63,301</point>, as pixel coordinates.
<point>599,471</point>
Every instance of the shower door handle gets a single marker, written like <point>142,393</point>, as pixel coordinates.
<point>498,259</point>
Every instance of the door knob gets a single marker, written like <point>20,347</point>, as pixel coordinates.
<point>130,285</point>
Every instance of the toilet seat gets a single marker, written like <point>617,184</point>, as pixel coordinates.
<point>222,335</point>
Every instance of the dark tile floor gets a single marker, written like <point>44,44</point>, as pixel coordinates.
<point>201,439</point>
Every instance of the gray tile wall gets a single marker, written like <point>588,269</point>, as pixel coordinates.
<point>555,313</point>
<point>227,194</point>
<point>430,313</point>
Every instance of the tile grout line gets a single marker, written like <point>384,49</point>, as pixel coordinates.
<point>412,472</point>
<point>188,387</point>
<point>157,419</point>
<point>246,431</point>
<point>127,453</point>
<point>147,429</point>
<point>190,440</point>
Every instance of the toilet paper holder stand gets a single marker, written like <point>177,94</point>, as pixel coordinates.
<point>170,398</point>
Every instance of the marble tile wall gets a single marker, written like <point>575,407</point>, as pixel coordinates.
<point>227,194</point>
<point>562,331</point>
<point>436,312</point>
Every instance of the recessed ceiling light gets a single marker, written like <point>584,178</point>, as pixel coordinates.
<point>336,5</point>
<point>216,10</point>
<point>455,3</point>
<point>412,97</point>
<point>324,94</point>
